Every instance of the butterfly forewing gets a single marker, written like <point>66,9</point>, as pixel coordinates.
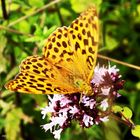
<point>83,36</point>
<point>75,47</point>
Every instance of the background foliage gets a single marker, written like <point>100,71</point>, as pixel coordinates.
<point>20,117</point>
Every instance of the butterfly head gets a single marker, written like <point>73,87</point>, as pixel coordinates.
<point>83,86</point>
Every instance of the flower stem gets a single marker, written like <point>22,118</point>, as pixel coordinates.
<point>119,62</point>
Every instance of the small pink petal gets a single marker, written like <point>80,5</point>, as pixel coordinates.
<point>48,126</point>
<point>104,104</point>
<point>46,110</point>
<point>105,119</point>
<point>87,120</point>
<point>73,110</point>
<point>59,120</point>
<point>105,91</point>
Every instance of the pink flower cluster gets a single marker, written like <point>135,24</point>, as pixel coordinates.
<point>87,110</point>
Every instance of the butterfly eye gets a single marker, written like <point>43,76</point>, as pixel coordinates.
<point>77,83</point>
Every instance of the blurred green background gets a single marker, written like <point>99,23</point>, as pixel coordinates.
<point>20,117</point>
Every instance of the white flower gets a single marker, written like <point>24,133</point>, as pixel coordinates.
<point>87,120</point>
<point>57,133</point>
<point>84,99</point>
<point>99,72</point>
<point>64,101</point>
<point>73,110</point>
<point>104,104</point>
<point>51,105</point>
<point>66,108</point>
<point>55,98</point>
<point>46,110</point>
<point>63,112</point>
<point>112,69</point>
<point>104,119</point>
<point>88,102</point>
<point>59,120</point>
<point>48,126</point>
<point>105,91</point>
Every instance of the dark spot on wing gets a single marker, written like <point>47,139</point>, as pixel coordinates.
<point>59,36</point>
<point>49,89</point>
<point>81,24</point>
<point>56,49</point>
<point>33,80</point>
<point>49,84</point>
<point>53,56</point>
<point>83,51</point>
<point>34,60</point>
<point>40,85</point>
<point>50,46</point>
<point>58,44</point>
<point>40,65</point>
<point>91,50</point>
<point>64,44</point>
<point>36,71</point>
<point>85,42</point>
<point>77,46</point>
<point>41,79</point>
<point>29,83</point>
<point>27,67</point>
<point>53,39</point>
<point>34,66</point>
<point>83,31</point>
<point>79,36</point>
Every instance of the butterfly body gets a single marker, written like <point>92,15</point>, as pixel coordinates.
<point>83,86</point>
<point>68,60</point>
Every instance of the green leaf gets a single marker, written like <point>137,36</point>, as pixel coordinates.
<point>138,85</point>
<point>116,108</point>
<point>78,5</point>
<point>6,93</point>
<point>28,11</point>
<point>111,43</point>
<point>12,73</point>
<point>34,39</point>
<point>38,30</point>
<point>24,26</point>
<point>3,42</point>
<point>136,131</point>
<point>2,123</point>
<point>81,5</point>
<point>14,6</point>
<point>111,130</point>
<point>12,124</point>
<point>47,31</point>
<point>65,12</point>
<point>36,3</point>
<point>127,112</point>
<point>5,106</point>
<point>40,99</point>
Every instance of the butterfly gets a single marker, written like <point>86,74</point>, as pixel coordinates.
<point>68,60</point>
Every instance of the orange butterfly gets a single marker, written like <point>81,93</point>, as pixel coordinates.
<point>68,60</point>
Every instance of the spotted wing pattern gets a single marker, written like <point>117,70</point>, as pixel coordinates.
<point>69,54</point>
<point>75,47</point>
<point>37,75</point>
